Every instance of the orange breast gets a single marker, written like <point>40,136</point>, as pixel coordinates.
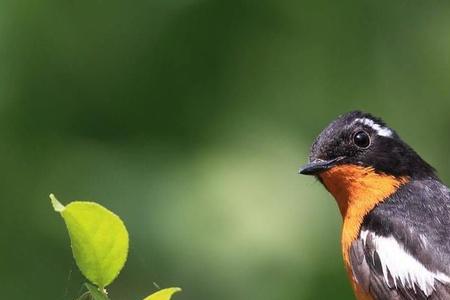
<point>357,190</point>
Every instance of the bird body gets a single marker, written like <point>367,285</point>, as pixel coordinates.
<point>395,210</point>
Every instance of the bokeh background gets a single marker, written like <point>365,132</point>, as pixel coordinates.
<point>189,119</point>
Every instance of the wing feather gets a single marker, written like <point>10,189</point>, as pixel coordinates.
<point>381,280</point>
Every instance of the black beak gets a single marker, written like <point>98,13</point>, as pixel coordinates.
<point>318,165</point>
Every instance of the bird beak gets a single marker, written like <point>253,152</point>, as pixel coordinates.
<point>318,165</point>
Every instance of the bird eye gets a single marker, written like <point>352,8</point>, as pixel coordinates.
<point>361,139</point>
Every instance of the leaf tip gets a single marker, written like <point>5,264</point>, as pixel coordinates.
<point>164,294</point>
<point>57,206</point>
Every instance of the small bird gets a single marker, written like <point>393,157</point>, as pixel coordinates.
<point>395,210</point>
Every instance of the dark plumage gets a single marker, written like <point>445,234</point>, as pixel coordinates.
<point>387,154</point>
<point>418,217</point>
<point>396,211</point>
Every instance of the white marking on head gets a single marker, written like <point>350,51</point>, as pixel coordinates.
<point>402,266</point>
<point>381,130</point>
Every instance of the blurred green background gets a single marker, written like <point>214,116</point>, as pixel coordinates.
<point>189,119</point>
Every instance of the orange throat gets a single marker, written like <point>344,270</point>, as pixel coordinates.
<point>357,191</point>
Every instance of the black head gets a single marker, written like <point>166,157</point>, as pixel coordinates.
<point>361,139</point>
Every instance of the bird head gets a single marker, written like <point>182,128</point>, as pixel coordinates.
<point>361,162</point>
<point>360,139</point>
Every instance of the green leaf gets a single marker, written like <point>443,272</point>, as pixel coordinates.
<point>99,239</point>
<point>95,293</point>
<point>164,294</point>
<point>57,206</point>
<point>85,296</point>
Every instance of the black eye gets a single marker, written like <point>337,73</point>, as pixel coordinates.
<point>361,139</point>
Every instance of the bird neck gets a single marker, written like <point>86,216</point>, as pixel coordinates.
<point>357,191</point>
<point>358,187</point>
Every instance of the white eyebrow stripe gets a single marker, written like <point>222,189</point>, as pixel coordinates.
<point>381,130</point>
<point>404,268</point>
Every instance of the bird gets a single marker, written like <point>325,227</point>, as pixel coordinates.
<point>395,210</point>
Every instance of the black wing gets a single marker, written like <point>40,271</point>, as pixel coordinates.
<point>403,251</point>
<point>368,273</point>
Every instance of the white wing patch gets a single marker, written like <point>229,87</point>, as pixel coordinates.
<point>402,266</point>
<point>381,130</point>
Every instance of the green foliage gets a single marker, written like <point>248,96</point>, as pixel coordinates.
<point>99,240</point>
<point>99,245</point>
<point>93,293</point>
<point>164,294</point>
